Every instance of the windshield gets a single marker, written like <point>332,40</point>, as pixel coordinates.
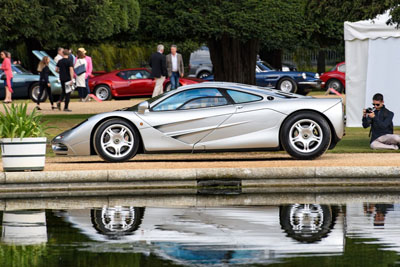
<point>20,69</point>
<point>264,65</point>
<point>150,100</point>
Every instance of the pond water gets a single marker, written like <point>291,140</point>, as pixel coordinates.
<point>353,234</point>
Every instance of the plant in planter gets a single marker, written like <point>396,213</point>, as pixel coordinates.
<point>22,139</point>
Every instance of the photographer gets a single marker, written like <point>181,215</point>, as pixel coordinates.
<point>381,121</point>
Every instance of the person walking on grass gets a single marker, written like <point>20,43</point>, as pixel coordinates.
<point>59,55</point>
<point>7,75</point>
<point>44,84</point>
<point>66,71</point>
<point>80,79</point>
<point>88,74</point>
<point>158,69</point>
<point>174,67</point>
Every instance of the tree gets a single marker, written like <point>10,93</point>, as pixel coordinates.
<point>233,30</point>
<point>48,24</point>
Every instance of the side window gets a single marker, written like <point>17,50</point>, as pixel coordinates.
<point>342,68</point>
<point>205,102</point>
<point>123,75</point>
<point>133,74</point>
<point>194,98</point>
<point>241,97</point>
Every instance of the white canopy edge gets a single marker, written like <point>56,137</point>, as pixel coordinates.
<point>370,29</point>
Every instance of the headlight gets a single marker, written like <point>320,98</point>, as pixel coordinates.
<point>59,137</point>
<point>304,75</point>
<point>316,76</point>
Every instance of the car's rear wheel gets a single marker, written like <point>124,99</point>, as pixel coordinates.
<point>167,87</point>
<point>287,85</point>
<point>203,74</point>
<point>335,84</point>
<point>305,135</point>
<point>116,140</point>
<point>34,91</point>
<point>103,92</point>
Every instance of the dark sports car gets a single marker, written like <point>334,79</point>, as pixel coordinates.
<point>129,82</point>
<point>286,81</point>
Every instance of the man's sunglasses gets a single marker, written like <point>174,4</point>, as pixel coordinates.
<point>376,104</point>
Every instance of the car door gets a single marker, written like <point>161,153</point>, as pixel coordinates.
<point>140,82</point>
<point>52,65</point>
<point>134,82</point>
<point>254,124</point>
<point>184,118</point>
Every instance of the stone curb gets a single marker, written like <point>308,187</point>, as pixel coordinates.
<point>197,174</point>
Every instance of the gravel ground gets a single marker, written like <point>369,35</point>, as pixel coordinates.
<point>220,160</point>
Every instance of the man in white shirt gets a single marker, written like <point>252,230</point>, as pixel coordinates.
<point>60,54</point>
<point>174,67</point>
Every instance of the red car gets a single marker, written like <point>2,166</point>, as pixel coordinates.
<point>335,78</point>
<point>128,82</point>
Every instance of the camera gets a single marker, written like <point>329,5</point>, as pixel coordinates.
<point>369,110</point>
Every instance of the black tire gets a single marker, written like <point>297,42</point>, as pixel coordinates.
<point>320,221</point>
<point>167,87</point>
<point>103,92</point>
<point>203,74</point>
<point>119,149</point>
<point>34,93</point>
<point>103,222</point>
<point>302,142</point>
<point>335,84</point>
<point>287,85</point>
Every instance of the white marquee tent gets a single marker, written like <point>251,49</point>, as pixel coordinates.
<point>372,66</point>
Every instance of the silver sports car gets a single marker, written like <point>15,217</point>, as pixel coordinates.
<point>212,116</point>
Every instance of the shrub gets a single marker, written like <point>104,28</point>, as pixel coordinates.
<point>15,122</point>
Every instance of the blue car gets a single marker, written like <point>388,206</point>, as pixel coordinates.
<point>26,84</point>
<point>286,81</point>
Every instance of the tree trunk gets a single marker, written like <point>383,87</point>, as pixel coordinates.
<point>233,60</point>
<point>273,57</point>
<point>321,61</point>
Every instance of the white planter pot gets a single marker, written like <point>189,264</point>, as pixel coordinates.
<point>24,227</point>
<point>23,154</point>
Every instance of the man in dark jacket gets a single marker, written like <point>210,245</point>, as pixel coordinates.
<point>158,69</point>
<point>381,121</point>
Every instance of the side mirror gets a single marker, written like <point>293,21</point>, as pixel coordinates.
<point>143,107</point>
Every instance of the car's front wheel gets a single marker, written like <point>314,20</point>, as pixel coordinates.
<point>103,92</point>
<point>305,135</point>
<point>287,85</point>
<point>116,140</point>
<point>34,91</point>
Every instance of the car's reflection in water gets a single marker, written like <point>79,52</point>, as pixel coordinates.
<point>116,221</point>
<point>307,223</point>
<point>215,235</point>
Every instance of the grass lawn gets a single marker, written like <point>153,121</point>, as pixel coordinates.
<point>355,141</point>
